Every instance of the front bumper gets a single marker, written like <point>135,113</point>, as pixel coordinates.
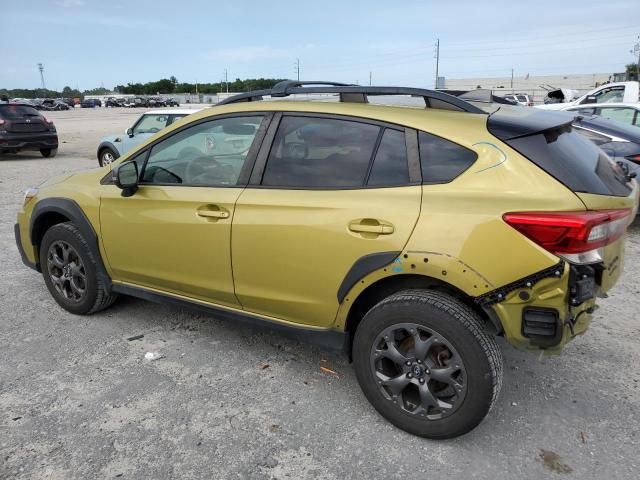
<point>23,255</point>
<point>28,141</point>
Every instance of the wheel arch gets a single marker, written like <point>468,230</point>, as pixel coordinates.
<point>108,145</point>
<point>386,286</point>
<point>52,211</point>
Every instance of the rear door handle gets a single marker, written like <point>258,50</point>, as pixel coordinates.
<point>379,229</point>
<point>209,213</point>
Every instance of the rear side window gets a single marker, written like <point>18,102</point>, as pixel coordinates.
<point>390,165</point>
<point>573,160</point>
<point>442,160</point>
<point>9,111</point>
<point>312,152</point>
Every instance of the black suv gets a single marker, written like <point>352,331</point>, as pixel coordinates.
<point>22,127</point>
<point>91,103</point>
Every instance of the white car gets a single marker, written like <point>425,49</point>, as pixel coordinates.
<point>113,146</point>
<point>628,113</point>
<point>619,92</point>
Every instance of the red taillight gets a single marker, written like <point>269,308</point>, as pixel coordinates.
<point>46,119</point>
<point>567,233</point>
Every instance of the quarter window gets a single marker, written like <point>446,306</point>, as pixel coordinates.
<point>442,160</point>
<point>320,153</point>
<point>390,165</point>
<point>210,153</point>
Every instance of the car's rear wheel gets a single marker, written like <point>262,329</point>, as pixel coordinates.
<point>107,156</point>
<point>48,152</point>
<point>70,272</point>
<point>424,361</point>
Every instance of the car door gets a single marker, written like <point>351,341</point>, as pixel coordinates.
<point>326,191</point>
<point>174,233</point>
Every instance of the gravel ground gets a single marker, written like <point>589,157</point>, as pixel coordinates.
<point>78,401</point>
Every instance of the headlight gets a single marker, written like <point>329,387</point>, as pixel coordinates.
<point>29,193</point>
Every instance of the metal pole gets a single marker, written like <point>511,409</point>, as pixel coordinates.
<point>437,60</point>
<point>298,68</point>
<point>512,79</point>
<point>226,80</point>
<point>369,78</point>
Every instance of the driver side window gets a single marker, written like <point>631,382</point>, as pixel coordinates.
<point>207,154</point>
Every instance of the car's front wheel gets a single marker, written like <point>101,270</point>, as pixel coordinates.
<point>70,272</point>
<point>424,361</point>
<point>48,152</point>
<point>107,156</point>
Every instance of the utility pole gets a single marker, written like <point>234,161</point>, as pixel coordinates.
<point>226,80</point>
<point>369,78</point>
<point>41,68</point>
<point>512,79</point>
<point>296,67</point>
<point>437,56</point>
<point>636,51</point>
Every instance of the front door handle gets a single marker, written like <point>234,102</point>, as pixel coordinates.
<point>379,229</point>
<point>209,213</point>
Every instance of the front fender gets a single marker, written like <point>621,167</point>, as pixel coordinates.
<point>112,144</point>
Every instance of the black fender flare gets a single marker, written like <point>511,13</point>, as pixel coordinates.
<point>107,144</point>
<point>71,210</point>
<point>363,267</point>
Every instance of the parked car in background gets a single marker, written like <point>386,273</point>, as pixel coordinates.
<point>171,102</point>
<point>628,113</point>
<point>520,98</point>
<point>619,92</point>
<point>53,104</point>
<point>619,140</point>
<point>91,103</point>
<point>156,102</point>
<point>22,127</point>
<point>112,147</point>
<point>115,102</point>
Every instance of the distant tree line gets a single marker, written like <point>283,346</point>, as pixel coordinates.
<point>172,85</point>
<point>165,85</point>
<point>67,92</point>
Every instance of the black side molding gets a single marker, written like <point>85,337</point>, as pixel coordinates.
<point>74,213</point>
<point>327,339</point>
<point>362,267</point>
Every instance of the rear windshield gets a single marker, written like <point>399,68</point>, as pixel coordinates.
<point>9,111</point>
<point>522,98</point>
<point>573,160</point>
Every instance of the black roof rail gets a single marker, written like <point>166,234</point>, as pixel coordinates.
<point>354,93</point>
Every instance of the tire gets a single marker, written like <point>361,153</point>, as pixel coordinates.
<point>107,156</point>
<point>48,152</point>
<point>461,363</point>
<point>80,290</point>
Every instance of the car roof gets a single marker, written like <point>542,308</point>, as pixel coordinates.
<point>169,111</point>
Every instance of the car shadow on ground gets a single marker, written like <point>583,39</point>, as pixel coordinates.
<point>21,156</point>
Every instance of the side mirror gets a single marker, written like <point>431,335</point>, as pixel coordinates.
<point>590,99</point>
<point>125,177</point>
<point>129,132</point>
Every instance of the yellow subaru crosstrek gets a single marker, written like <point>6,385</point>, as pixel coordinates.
<point>408,236</point>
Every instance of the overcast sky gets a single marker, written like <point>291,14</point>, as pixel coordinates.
<point>89,43</point>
